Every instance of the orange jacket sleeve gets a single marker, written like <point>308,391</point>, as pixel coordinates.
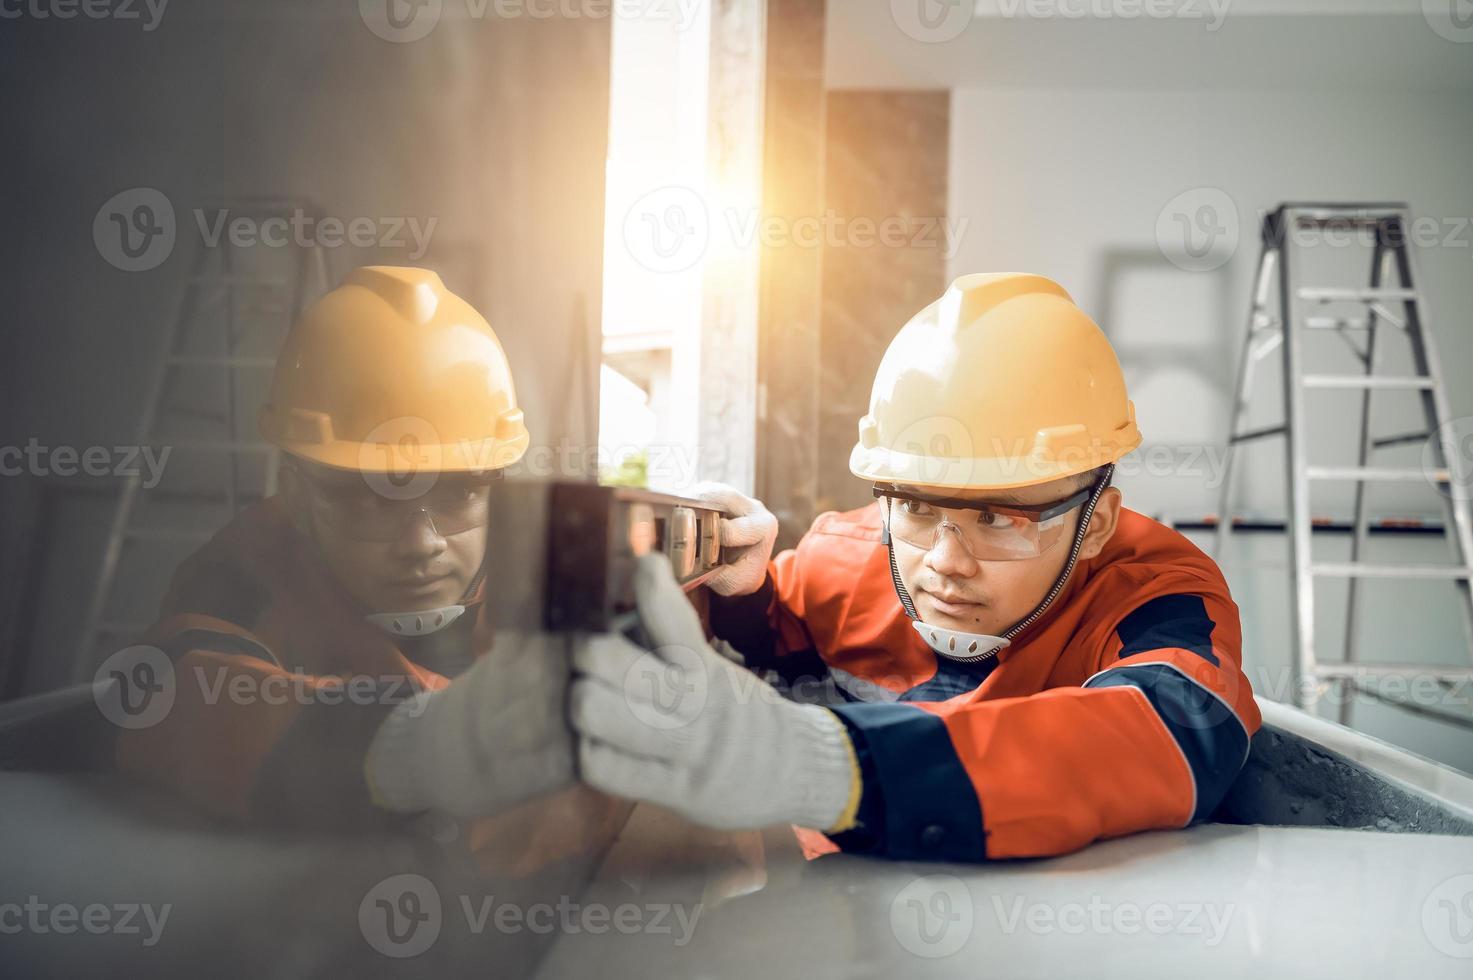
<point>244,738</point>
<point>1151,741</point>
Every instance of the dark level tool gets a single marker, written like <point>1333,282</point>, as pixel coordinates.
<point>562,553</point>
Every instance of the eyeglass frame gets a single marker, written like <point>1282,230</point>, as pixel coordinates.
<point>412,507</point>
<point>1037,513</point>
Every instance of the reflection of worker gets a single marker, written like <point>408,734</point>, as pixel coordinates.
<point>312,637</point>
<point>1028,666</point>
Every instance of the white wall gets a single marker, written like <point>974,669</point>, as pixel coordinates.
<point>1071,182</point>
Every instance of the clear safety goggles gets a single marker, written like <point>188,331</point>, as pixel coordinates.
<point>989,532</point>
<point>353,506</point>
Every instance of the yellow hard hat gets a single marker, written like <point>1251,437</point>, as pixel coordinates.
<point>1002,382</point>
<point>392,371</point>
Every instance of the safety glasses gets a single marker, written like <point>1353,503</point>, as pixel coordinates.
<point>989,532</point>
<point>350,504</point>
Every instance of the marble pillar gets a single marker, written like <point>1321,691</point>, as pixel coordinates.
<point>884,255</point>
<point>789,297</point>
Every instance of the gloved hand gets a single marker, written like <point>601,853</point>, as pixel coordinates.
<point>751,527</point>
<point>684,727</point>
<point>495,737</point>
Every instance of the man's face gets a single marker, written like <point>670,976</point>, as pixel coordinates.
<point>391,555</point>
<point>954,590</point>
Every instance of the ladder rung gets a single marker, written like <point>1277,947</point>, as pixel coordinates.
<point>1365,381</point>
<point>1362,570</point>
<point>1437,671</point>
<point>1398,440</point>
<point>165,534</point>
<point>1345,213</point>
<point>1251,434</point>
<point>190,411</point>
<point>118,627</point>
<point>253,281</point>
<point>201,360</point>
<point>1337,294</point>
<point>204,446</point>
<point>1335,323</point>
<point>1379,473</point>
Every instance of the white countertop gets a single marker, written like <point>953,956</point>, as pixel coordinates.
<point>1212,901</point>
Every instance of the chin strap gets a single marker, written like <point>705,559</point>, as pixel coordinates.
<point>972,647</point>
<point>422,622</point>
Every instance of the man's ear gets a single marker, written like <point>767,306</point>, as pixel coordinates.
<point>1101,523</point>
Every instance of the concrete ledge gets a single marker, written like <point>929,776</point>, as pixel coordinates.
<point>1304,771</point>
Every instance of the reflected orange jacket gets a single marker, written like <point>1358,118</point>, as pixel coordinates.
<point>1124,708</point>
<point>279,685</point>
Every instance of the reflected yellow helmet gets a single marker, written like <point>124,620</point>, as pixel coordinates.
<point>392,372</point>
<point>1002,382</point>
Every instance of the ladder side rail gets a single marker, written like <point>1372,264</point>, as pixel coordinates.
<point>1301,582</point>
<point>1243,391</point>
<point>128,496</point>
<point>1446,456</point>
<point>1360,531</point>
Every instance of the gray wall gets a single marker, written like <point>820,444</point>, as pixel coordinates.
<point>494,129</point>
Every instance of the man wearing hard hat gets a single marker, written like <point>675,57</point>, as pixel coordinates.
<point>311,640</point>
<point>1023,666</point>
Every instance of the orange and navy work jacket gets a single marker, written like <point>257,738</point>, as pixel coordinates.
<point>1123,708</point>
<point>278,683</point>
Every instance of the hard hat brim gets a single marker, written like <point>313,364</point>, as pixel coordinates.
<point>470,456</point>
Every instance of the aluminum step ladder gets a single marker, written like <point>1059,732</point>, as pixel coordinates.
<point>1280,319</point>
<point>236,307</point>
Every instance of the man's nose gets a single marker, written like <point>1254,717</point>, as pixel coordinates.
<point>949,556</point>
<point>418,537</point>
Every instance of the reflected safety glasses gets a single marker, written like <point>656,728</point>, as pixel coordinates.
<point>353,505</point>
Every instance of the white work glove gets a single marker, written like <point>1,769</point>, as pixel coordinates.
<point>688,729</point>
<point>749,526</point>
<point>495,737</point>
